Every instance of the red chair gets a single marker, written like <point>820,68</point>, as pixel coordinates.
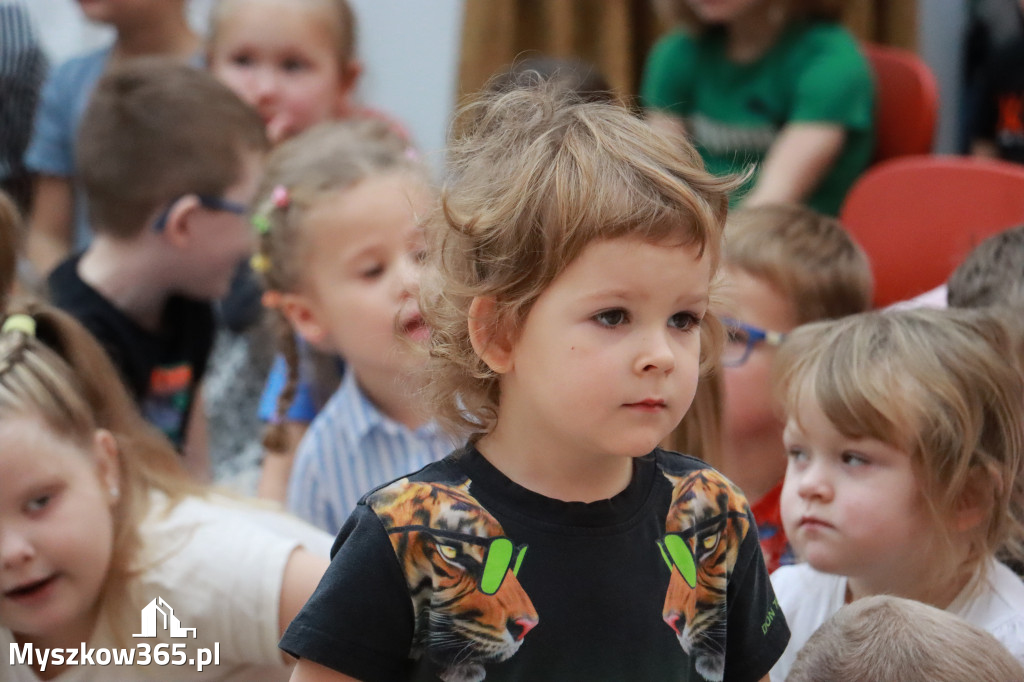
<point>907,103</point>
<point>918,216</point>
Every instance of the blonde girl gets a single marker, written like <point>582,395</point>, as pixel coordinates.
<point>567,296</point>
<point>293,60</point>
<point>98,520</point>
<point>339,215</point>
<point>905,436</point>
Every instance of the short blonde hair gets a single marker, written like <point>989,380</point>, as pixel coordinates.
<point>890,639</point>
<point>939,385</point>
<point>61,375</point>
<point>991,274</point>
<point>806,256</point>
<point>680,13</point>
<point>536,175</point>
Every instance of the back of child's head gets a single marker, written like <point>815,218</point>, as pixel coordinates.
<point>991,274</point>
<point>935,384</point>
<point>535,175</point>
<point>342,23</point>
<point>318,163</point>
<point>53,370</point>
<point>156,130</point>
<point>682,13</point>
<point>573,74</point>
<point>10,237</point>
<point>804,255</point>
<point>889,639</point>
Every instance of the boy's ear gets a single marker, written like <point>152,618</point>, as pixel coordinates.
<point>302,315</point>
<point>177,227</point>
<point>975,503</point>
<point>107,456</point>
<point>488,336</point>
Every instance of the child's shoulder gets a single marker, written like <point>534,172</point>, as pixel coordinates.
<point>688,471</point>
<point>417,497</point>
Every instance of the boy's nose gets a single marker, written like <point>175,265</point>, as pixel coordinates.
<point>813,482</point>
<point>655,354</point>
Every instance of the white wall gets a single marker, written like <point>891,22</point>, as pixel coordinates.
<point>410,52</point>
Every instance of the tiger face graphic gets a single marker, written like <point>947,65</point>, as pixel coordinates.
<point>461,572</point>
<point>707,521</point>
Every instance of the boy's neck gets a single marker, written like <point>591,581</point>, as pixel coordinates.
<point>170,35</point>
<point>751,36</point>
<point>535,466</point>
<point>755,464</point>
<point>130,274</point>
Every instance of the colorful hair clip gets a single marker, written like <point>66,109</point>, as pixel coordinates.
<point>19,322</point>
<point>280,197</point>
<point>260,263</point>
<point>261,223</point>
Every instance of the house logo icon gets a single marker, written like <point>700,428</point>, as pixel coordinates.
<point>159,614</point>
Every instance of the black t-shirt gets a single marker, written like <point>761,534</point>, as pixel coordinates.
<point>456,572</point>
<point>162,370</point>
<point>999,116</point>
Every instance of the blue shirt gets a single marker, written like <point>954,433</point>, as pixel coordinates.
<point>350,449</point>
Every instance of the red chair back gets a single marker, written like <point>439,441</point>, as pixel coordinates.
<point>907,103</point>
<point>918,216</point>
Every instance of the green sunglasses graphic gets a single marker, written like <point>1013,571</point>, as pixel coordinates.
<point>675,547</point>
<point>500,555</point>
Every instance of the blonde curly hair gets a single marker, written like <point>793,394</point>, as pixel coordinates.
<point>535,175</point>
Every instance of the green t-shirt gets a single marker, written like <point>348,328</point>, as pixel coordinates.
<point>814,73</point>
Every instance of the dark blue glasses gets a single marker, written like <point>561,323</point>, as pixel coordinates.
<point>207,202</point>
<point>742,338</point>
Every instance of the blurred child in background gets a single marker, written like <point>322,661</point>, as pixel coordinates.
<point>905,437</point>
<point>169,159</point>
<point>768,82</point>
<point>59,222</point>
<point>784,265</point>
<point>340,215</point>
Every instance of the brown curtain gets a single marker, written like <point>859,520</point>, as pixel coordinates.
<point>615,35</point>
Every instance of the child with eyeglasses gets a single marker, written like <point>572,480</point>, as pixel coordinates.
<point>784,265</point>
<point>169,160</point>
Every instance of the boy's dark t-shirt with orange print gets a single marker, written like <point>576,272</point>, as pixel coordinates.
<point>162,370</point>
<point>458,573</point>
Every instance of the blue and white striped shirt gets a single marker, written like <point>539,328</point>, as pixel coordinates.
<point>351,448</point>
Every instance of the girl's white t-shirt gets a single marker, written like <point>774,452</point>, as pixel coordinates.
<point>808,598</point>
<point>215,565</point>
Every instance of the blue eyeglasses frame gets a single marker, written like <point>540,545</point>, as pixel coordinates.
<point>755,335</point>
<point>207,202</point>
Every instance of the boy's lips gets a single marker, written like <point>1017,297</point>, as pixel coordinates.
<point>648,404</point>
<point>813,522</point>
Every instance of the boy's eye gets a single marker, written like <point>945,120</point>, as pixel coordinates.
<point>853,459</point>
<point>293,64</point>
<point>38,503</point>
<point>611,318</point>
<point>737,336</point>
<point>373,271</point>
<point>241,60</point>
<point>684,321</point>
<point>796,454</point>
